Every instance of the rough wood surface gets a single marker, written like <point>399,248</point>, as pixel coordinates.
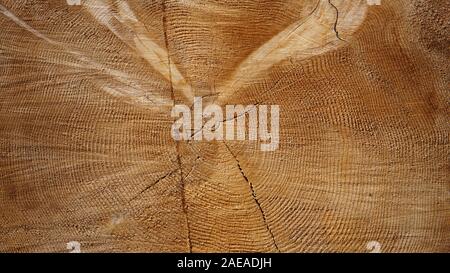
<point>86,153</point>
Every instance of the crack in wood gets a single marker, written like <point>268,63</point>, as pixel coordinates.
<point>254,196</point>
<point>336,22</point>
<point>153,184</point>
<point>177,147</point>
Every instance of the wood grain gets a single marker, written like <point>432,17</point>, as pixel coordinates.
<point>86,152</point>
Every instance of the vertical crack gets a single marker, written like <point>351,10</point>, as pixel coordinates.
<point>336,22</point>
<point>254,196</point>
<point>182,182</point>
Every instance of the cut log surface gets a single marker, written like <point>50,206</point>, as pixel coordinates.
<point>87,155</point>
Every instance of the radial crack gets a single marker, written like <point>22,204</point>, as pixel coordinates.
<point>182,184</point>
<point>254,196</point>
<point>153,184</point>
<point>336,22</point>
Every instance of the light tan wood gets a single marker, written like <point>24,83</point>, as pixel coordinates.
<point>86,152</point>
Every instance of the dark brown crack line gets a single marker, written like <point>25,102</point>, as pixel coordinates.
<point>183,191</point>
<point>152,185</point>
<point>336,22</point>
<point>255,198</point>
